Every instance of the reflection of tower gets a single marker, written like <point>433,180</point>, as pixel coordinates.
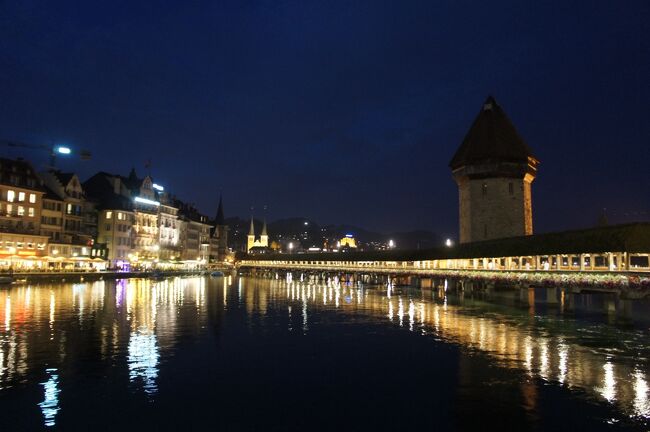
<point>221,233</point>
<point>494,169</point>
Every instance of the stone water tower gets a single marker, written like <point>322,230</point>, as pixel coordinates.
<point>494,169</point>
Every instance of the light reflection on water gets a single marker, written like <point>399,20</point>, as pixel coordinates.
<point>618,379</point>
<point>140,321</point>
<point>50,404</point>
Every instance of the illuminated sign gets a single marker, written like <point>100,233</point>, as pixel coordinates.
<point>158,187</point>
<point>146,201</point>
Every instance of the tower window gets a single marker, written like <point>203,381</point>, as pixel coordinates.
<point>484,189</point>
<point>511,188</point>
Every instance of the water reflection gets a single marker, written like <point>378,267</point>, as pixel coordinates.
<point>132,322</point>
<point>136,324</point>
<point>568,355</point>
<point>143,359</point>
<point>50,404</point>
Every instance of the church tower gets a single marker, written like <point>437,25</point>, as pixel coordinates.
<point>494,169</point>
<point>221,233</point>
<point>264,237</point>
<point>251,236</point>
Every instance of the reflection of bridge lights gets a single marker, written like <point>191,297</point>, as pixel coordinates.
<point>608,390</point>
<point>50,404</point>
<point>641,402</point>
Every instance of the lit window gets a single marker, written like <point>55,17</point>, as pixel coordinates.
<point>11,196</point>
<point>109,215</point>
<point>120,216</point>
<point>21,196</point>
<point>30,211</point>
<point>21,211</point>
<point>10,209</point>
<point>32,198</point>
<point>69,211</point>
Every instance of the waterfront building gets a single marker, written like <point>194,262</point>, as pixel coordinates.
<point>254,244</point>
<point>494,169</point>
<point>194,235</point>
<point>146,244</point>
<point>21,203</point>
<point>219,238</point>
<point>170,229</point>
<point>66,204</point>
<point>115,216</point>
<point>52,218</point>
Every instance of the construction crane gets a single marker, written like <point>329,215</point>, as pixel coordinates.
<point>54,150</point>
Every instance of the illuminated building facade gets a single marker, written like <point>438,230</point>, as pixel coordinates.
<point>494,169</point>
<point>64,207</point>
<point>348,241</point>
<point>21,202</point>
<point>115,227</point>
<point>254,244</point>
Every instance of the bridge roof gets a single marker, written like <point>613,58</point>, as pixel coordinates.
<point>632,238</point>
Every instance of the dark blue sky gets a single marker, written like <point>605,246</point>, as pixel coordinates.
<point>339,111</point>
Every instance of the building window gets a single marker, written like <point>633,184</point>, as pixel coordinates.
<point>30,211</point>
<point>108,227</point>
<point>21,196</point>
<point>11,196</point>
<point>120,216</point>
<point>109,214</point>
<point>10,209</point>
<point>484,189</point>
<point>32,198</point>
<point>511,188</point>
<point>21,211</point>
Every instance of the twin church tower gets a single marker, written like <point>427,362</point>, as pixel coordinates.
<point>494,169</point>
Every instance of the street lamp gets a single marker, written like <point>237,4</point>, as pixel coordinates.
<point>290,246</point>
<point>391,244</point>
<point>449,243</point>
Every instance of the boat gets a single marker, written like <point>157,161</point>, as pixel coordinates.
<point>216,273</point>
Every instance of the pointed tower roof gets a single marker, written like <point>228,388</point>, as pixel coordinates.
<point>491,138</point>
<point>264,228</point>
<point>251,232</point>
<point>220,219</point>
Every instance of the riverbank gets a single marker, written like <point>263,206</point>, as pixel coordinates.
<point>77,277</point>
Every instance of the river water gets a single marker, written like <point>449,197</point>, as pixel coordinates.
<point>275,354</point>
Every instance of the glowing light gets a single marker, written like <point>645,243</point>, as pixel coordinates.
<point>158,187</point>
<point>143,359</point>
<point>63,150</point>
<point>391,244</point>
<point>146,201</point>
<point>608,390</point>
<point>448,242</point>
<point>290,245</point>
<point>50,404</point>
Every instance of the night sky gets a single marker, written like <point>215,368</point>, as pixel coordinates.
<point>339,111</point>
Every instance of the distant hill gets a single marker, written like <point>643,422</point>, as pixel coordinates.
<point>307,233</point>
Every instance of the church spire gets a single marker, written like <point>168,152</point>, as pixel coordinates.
<point>251,232</point>
<point>220,218</point>
<point>264,228</point>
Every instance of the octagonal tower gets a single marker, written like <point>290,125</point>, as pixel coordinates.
<point>494,169</point>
